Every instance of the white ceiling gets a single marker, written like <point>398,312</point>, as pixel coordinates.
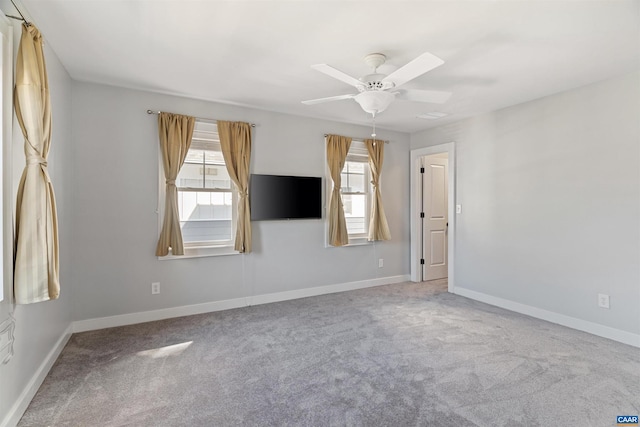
<point>258,53</point>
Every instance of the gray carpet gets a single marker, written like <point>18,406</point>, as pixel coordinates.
<point>398,355</point>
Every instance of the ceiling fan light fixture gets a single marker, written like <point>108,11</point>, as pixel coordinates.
<point>374,102</point>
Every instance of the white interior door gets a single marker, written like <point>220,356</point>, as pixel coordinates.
<point>435,222</point>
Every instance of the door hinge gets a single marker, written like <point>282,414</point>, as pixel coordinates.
<point>421,214</point>
<point>421,170</point>
<point>422,261</point>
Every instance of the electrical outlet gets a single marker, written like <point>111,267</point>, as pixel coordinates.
<point>155,288</point>
<point>603,301</point>
<point>380,263</point>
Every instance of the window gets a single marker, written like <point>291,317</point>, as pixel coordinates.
<point>7,321</point>
<point>207,198</point>
<point>6,118</point>
<point>356,192</point>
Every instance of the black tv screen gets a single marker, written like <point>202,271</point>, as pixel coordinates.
<point>285,197</point>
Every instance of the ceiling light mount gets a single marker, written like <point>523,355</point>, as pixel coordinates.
<point>374,60</point>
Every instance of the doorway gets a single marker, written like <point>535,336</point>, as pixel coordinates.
<point>432,219</point>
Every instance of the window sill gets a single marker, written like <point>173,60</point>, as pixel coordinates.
<point>353,241</point>
<point>201,252</point>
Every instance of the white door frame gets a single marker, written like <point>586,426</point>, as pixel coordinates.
<point>416,198</point>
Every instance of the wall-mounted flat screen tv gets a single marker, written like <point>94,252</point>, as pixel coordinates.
<point>274,197</point>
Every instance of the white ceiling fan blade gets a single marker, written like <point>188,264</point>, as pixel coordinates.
<point>432,96</point>
<point>420,65</point>
<point>337,74</point>
<point>328,99</point>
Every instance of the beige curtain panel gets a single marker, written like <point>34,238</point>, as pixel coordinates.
<point>235,140</point>
<point>174,132</point>
<point>36,266</point>
<point>378,227</point>
<point>337,149</point>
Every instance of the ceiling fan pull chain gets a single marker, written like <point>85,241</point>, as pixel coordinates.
<point>374,130</point>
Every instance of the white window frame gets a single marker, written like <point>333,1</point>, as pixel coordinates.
<point>357,153</point>
<point>6,183</point>
<point>202,248</point>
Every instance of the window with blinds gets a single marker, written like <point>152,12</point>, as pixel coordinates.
<point>206,195</point>
<point>356,190</point>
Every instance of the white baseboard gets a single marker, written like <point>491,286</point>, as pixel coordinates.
<point>21,404</point>
<point>188,310</point>
<point>560,319</point>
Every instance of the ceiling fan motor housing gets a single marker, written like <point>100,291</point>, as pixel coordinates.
<point>374,82</point>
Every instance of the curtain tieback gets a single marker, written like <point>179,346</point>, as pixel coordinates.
<point>171,182</point>
<point>36,160</point>
<point>244,193</point>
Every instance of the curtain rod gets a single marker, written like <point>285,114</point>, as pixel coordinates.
<point>21,17</point>
<point>361,139</point>
<point>197,118</point>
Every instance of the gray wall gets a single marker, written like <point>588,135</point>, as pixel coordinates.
<point>40,326</point>
<point>115,158</point>
<point>550,195</point>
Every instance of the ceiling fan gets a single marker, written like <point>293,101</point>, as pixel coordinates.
<point>377,91</point>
